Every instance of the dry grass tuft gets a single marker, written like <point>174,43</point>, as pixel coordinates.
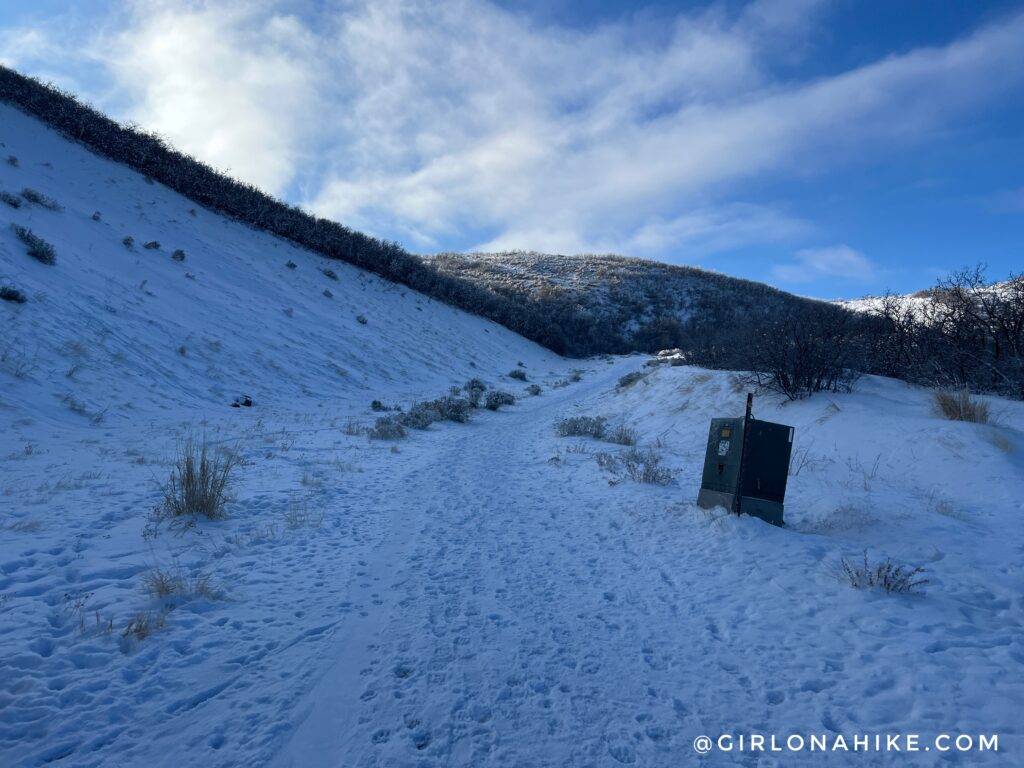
<point>960,406</point>
<point>162,583</point>
<point>198,485</point>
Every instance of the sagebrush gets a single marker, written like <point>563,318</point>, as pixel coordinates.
<point>885,575</point>
<point>497,398</point>
<point>37,248</point>
<point>386,428</point>
<point>582,426</point>
<point>38,198</point>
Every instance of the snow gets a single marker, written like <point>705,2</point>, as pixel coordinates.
<point>475,594</point>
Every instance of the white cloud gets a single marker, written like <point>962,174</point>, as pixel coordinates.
<point>834,262</point>
<point>232,83</point>
<point>557,141</point>
<point>438,122</point>
<point>698,232</point>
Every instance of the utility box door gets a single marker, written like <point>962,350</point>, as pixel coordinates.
<point>722,460</point>
<point>766,465</point>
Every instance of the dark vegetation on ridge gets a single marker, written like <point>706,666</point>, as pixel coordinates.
<point>966,332</point>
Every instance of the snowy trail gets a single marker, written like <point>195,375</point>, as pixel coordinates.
<point>505,604</point>
<point>521,613</point>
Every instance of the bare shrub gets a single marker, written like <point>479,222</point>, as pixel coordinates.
<point>299,516</point>
<point>420,415</point>
<point>12,200</point>
<point>291,264</point>
<point>497,398</point>
<point>128,242</point>
<point>534,390</point>
<point>160,583</point>
<point>353,428</point>
<point>641,467</point>
<point>645,467</point>
<point>631,378</point>
<point>378,406</point>
<point>38,198</point>
<point>453,408</point>
<point>583,426</point>
<point>8,293</point>
<point>386,428</point>
<point>518,374</point>
<point>74,404</point>
<point>37,248</point>
<point>815,349</point>
<point>361,319</point>
<point>152,245</point>
<point>474,389</point>
<point>621,435</point>
<point>199,483</point>
<point>960,406</point>
<point>167,582</point>
<point>885,575</point>
<point>178,255</point>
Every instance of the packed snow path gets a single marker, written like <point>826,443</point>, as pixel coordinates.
<point>484,597</point>
<point>512,617</point>
<point>516,615</point>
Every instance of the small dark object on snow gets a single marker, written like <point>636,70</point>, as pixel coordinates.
<point>243,401</point>
<point>12,294</point>
<point>152,245</point>
<point>12,200</point>
<point>291,264</point>
<point>178,255</point>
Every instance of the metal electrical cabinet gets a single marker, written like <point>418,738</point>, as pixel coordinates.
<point>746,466</point>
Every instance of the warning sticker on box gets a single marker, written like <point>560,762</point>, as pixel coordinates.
<point>723,447</point>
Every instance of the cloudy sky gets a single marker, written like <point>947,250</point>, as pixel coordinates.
<point>831,148</point>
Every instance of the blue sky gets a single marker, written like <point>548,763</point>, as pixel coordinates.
<point>830,148</point>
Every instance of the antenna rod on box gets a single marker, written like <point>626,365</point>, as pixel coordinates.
<point>743,450</point>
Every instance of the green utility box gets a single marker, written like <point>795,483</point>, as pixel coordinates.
<point>746,466</point>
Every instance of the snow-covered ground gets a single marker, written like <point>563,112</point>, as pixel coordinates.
<point>477,594</point>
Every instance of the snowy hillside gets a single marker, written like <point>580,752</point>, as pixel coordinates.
<point>478,594</point>
<point>228,319</point>
<point>619,304</point>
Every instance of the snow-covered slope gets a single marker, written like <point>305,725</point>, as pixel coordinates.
<point>230,318</point>
<point>480,594</point>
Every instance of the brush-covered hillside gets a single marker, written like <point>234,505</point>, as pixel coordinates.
<point>613,304</point>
